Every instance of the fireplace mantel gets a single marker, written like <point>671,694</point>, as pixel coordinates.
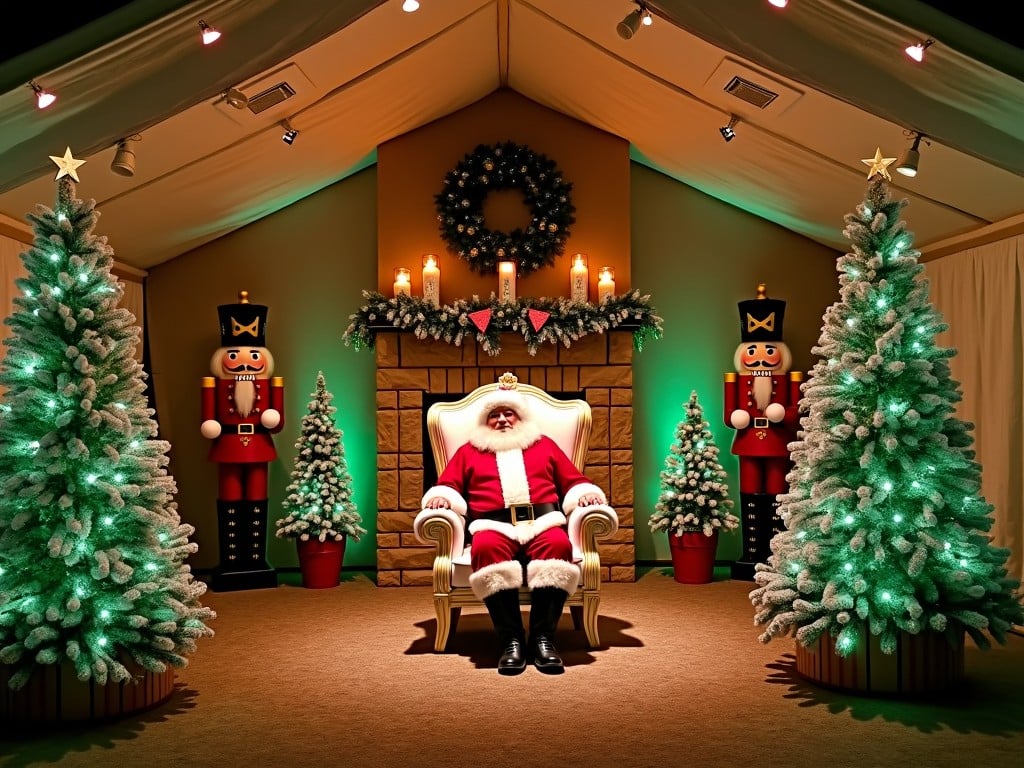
<point>599,366</point>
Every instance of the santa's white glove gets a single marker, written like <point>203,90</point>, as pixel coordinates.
<point>210,429</point>
<point>270,418</point>
<point>775,412</point>
<point>739,419</point>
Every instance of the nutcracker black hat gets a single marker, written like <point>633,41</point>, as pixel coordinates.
<point>243,324</point>
<point>761,317</point>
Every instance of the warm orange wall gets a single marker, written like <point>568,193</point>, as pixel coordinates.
<point>411,171</point>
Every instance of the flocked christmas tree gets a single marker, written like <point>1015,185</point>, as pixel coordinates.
<point>319,496</point>
<point>694,494</point>
<point>886,528</point>
<point>93,553</point>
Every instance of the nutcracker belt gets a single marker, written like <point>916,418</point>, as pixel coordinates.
<point>243,429</point>
<point>516,513</point>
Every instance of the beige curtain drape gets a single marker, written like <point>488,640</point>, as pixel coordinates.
<point>980,292</point>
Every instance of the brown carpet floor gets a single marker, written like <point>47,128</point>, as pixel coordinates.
<point>347,677</point>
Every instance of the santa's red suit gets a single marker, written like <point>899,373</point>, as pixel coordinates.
<point>515,487</point>
<point>479,484</point>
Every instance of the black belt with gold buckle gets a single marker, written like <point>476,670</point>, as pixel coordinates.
<point>517,513</point>
<point>243,429</point>
<point>760,422</point>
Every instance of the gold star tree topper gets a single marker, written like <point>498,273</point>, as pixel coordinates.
<point>879,164</point>
<point>67,165</point>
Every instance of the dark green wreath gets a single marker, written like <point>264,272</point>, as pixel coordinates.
<point>505,166</point>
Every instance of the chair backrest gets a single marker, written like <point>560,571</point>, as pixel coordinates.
<point>567,422</point>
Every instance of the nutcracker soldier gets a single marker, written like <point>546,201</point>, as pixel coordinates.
<point>242,406</point>
<point>761,399</point>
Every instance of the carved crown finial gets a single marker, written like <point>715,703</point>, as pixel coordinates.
<point>508,381</point>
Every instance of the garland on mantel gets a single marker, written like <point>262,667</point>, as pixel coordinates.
<point>538,321</point>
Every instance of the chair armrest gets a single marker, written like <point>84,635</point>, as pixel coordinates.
<point>444,527</point>
<point>586,526</point>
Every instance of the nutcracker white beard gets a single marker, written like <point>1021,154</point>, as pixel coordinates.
<point>762,391</point>
<point>245,396</point>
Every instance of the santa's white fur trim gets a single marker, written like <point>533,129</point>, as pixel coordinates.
<point>453,497</point>
<point>560,574</point>
<point>504,398</point>
<point>515,489</point>
<point>496,577</point>
<point>572,496</point>
<point>522,532</point>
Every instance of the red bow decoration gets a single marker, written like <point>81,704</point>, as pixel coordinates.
<point>481,319</point>
<point>538,318</point>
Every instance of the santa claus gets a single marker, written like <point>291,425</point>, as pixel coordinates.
<point>516,487</point>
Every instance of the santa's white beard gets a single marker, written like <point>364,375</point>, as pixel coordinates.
<point>521,436</point>
<point>245,396</point>
<point>762,391</point>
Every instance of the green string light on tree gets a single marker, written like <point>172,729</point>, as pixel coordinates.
<point>886,528</point>
<point>93,553</point>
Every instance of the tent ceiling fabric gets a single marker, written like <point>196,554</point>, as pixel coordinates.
<point>365,72</point>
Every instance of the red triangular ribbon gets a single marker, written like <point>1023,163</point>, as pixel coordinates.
<point>538,318</point>
<point>481,319</point>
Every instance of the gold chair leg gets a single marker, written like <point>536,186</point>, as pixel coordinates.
<point>442,611</point>
<point>591,602</point>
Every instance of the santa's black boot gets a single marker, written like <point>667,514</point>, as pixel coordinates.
<point>503,606</point>
<point>546,605</point>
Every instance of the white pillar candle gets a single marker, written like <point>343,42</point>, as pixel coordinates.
<point>605,283</point>
<point>431,280</point>
<point>401,282</point>
<point>579,279</point>
<point>506,281</point>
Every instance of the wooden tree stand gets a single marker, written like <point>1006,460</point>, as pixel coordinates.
<point>922,663</point>
<point>54,694</point>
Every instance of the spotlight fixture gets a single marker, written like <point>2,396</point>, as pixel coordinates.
<point>289,133</point>
<point>235,98</point>
<point>410,6</point>
<point>911,157</point>
<point>631,23</point>
<point>916,51</point>
<point>210,35</point>
<point>123,163</point>
<point>778,3</point>
<point>43,97</point>
<point>727,131</point>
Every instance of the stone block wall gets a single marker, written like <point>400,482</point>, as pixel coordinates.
<point>599,366</point>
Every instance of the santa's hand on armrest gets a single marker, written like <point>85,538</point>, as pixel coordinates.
<point>438,502</point>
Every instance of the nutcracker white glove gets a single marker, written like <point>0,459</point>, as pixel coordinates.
<point>210,429</point>
<point>739,419</point>
<point>775,412</point>
<point>270,418</point>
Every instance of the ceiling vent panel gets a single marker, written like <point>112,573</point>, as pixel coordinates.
<point>752,93</point>
<point>760,90</point>
<point>271,97</point>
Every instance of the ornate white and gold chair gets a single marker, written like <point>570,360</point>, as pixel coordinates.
<point>568,423</point>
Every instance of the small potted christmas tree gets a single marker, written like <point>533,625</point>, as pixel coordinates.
<point>694,503</point>
<point>321,513</point>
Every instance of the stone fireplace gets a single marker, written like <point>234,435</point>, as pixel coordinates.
<point>411,371</point>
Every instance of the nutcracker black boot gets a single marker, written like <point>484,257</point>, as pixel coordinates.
<point>743,569</point>
<point>503,606</point>
<point>545,611</point>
